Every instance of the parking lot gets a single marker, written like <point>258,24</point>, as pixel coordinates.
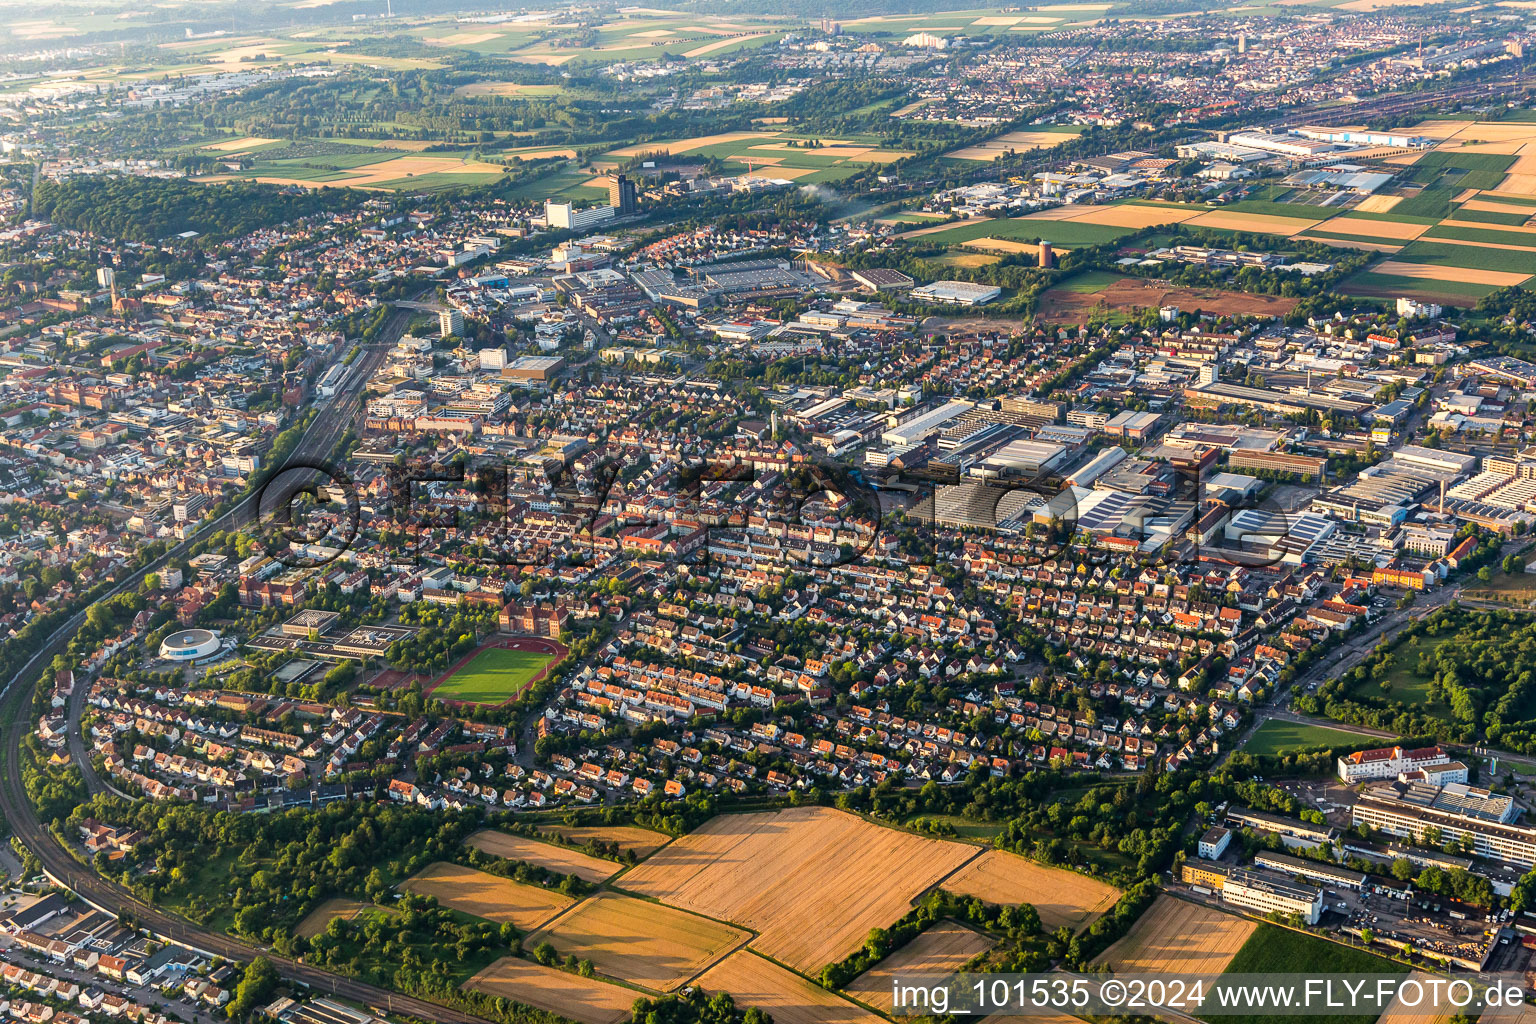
<point>1434,925</point>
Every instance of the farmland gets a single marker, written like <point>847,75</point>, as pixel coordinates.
<point>1178,937</point>
<point>546,855</point>
<point>489,896</point>
<point>1277,737</point>
<point>626,837</point>
<point>775,154</point>
<point>1061,897</point>
<point>1075,298</point>
<point>639,942</point>
<point>790,999</point>
<point>822,901</point>
<point>942,949</point>
<point>1273,950</point>
<point>582,999</point>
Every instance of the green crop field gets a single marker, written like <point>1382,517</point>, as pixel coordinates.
<point>1471,257</point>
<point>1277,737</point>
<point>1272,950</point>
<point>493,676</point>
<point>1059,232</point>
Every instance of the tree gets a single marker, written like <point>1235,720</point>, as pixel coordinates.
<point>1402,869</point>
<point>254,989</point>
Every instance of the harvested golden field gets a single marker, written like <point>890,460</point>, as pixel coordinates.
<point>1438,129</point>
<point>639,942</point>
<point>315,921</point>
<point>942,949</point>
<point>545,855</point>
<point>1019,142</point>
<point>239,145</point>
<point>626,837</point>
<point>1262,223</point>
<point>1135,215</point>
<point>811,881</point>
<point>1523,185</point>
<point>1061,897</point>
<point>1010,245</point>
<point>1396,1013</point>
<point>1362,244</point>
<point>1466,275</point>
<point>1363,227</point>
<point>1517,229</point>
<point>1178,937</point>
<point>1486,206</point>
<point>1494,131</point>
<point>489,896</point>
<point>787,997</point>
<point>583,999</point>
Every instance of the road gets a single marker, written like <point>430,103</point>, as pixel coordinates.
<point>15,714</point>
<point>1351,652</point>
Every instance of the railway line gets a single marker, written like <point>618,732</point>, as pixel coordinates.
<point>317,442</point>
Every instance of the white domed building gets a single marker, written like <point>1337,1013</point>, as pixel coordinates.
<point>190,645</point>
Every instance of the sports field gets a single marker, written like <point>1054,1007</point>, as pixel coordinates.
<point>495,674</point>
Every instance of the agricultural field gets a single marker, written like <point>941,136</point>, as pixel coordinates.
<point>581,999</point>
<point>383,170</point>
<point>639,942</point>
<point>1274,950</point>
<point>1277,737</point>
<point>494,675</point>
<point>1260,223</point>
<point>942,949</point>
<point>546,855</point>
<point>786,996</point>
<point>481,894</point>
<point>348,910</point>
<point>1017,142</point>
<point>1077,297</point>
<point>1061,897</point>
<point>774,154</point>
<point>1056,230</point>
<point>789,875</point>
<point>627,837</point>
<point>1398,1013</point>
<point>640,34</point>
<point>1178,937</point>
